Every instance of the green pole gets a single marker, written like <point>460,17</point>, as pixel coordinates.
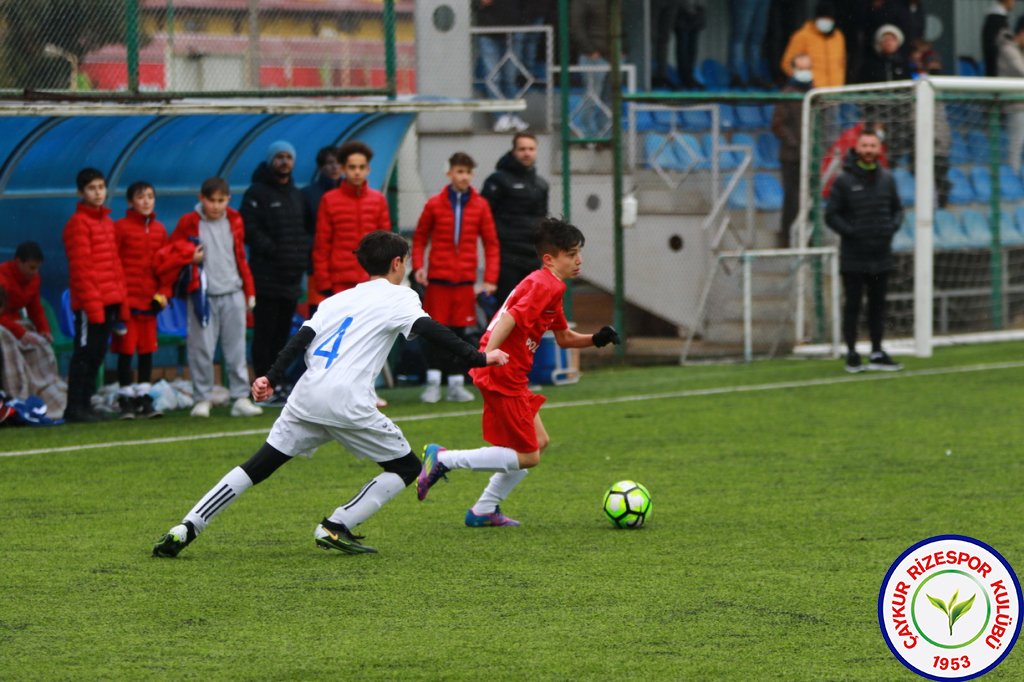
<point>996,252</point>
<point>565,132</point>
<point>389,48</point>
<point>615,80</point>
<point>169,80</point>
<point>131,30</point>
<point>817,219</point>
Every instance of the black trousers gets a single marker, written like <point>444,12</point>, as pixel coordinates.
<point>854,286</point>
<point>272,325</point>
<point>790,199</point>
<point>91,342</point>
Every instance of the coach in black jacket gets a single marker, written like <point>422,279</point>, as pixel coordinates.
<point>274,212</point>
<point>864,209</point>
<point>519,201</point>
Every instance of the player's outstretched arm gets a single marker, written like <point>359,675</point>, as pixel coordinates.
<point>295,347</point>
<point>567,338</point>
<point>440,335</point>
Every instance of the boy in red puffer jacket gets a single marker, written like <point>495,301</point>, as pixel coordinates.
<point>97,290</point>
<point>139,236</point>
<point>453,222</point>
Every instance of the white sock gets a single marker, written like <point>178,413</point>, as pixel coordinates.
<point>370,499</point>
<point>497,490</point>
<point>491,458</point>
<point>456,380</point>
<point>220,497</point>
<point>433,377</point>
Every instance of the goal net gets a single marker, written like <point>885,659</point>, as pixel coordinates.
<point>953,148</point>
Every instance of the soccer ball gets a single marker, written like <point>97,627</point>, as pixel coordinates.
<point>627,504</point>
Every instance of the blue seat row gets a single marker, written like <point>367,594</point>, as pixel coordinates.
<point>767,193</point>
<point>731,117</point>
<point>971,187</point>
<point>968,229</point>
<point>687,151</point>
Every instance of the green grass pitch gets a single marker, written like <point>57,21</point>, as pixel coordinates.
<point>777,511</point>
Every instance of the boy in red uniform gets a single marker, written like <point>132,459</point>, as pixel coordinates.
<point>97,290</point>
<point>20,277</point>
<point>511,423</point>
<point>453,223</point>
<point>139,236</point>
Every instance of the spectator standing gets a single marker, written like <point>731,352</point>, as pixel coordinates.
<point>784,18</point>
<point>864,209</point>
<point>997,19</point>
<point>453,224</point>
<point>518,196</point>
<point>29,366</point>
<point>328,177</point>
<point>1011,65</point>
<point>229,294</point>
<point>823,43</point>
<point>535,13</point>
<point>886,62</point>
<point>588,26</point>
<point>500,77</point>
<point>691,19</point>
<point>97,290</point>
<point>663,19</point>
<point>748,21</point>
<point>139,236</point>
<point>786,126</point>
<point>274,212</point>
<point>871,15</point>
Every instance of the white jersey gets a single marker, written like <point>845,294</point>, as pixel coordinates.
<point>355,331</point>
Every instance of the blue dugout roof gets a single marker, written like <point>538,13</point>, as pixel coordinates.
<point>40,156</point>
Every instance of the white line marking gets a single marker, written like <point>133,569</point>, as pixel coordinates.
<point>691,393</point>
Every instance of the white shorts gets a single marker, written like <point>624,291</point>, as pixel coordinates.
<point>382,441</point>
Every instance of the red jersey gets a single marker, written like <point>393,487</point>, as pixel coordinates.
<point>536,306</point>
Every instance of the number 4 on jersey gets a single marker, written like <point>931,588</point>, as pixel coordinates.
<point>336,339</point>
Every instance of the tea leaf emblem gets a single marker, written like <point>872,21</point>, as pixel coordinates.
<point>953,611</point>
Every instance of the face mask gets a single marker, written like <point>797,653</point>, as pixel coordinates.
<point>880,134</point>
<point>803,75</point>
<point>825,25</point>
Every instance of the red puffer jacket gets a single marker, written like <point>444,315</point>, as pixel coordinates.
<point>345,215</point>
<point>22,292</point>
<point>188,226</point>
<point>97,279</point>
<point>138,238</point>
<point>450,262</point>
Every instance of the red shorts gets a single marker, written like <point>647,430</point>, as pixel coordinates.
<point>508,419</point>
<point>140,337</point>
<point>452,306</point>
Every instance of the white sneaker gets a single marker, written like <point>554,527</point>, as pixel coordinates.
<point>201,409</point>
<point>431,394</point>
<point>504,124</point>
<point>244,407</point>
<point>459,394</point>
<point>517,124</point>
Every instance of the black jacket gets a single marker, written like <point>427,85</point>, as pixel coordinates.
<point>519,201</point>
<point>275,231</point>
<point>994,23</point>
<point>884,68</point>
<point>864,209</point>
<point>313,193</point>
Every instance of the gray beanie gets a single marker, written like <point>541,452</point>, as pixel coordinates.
<point>276,148</point>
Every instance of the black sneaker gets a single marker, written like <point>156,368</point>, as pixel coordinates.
<point>81,416</point>
<point>144,407</point>
<point>853,364</point>
<point>329,535</point>
<point>172,542</point>
<point>881,362</point>
<point>125,407</point>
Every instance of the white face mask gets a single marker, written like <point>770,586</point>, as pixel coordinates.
<point>825,25</point>
<point>803,75</point>
<point>880,134</point>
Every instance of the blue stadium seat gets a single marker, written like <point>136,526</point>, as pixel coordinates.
<point>960,191</point>
<point>948,234</point>
<point>977,147</point>
<point>662,120</point>
<point>746,140</point>
<point>749,117</point>
<point>173,320</point>
<point>1010,186</point>
<point>768,151</point>
<point>976,228</point>
<point>959,154</point>
<point>767,114</point>
<point>767,192</point>
<point>903,240</point>
<point>645,122</point>
<point>967,66</point>
<point>727,117</point>
<point>981,181</point>
<point>696,120</point>
<point>849,114</point>
<point>727,160</point>
<point>739,197</point>
<point>904,185</point>
<point>714,75</point>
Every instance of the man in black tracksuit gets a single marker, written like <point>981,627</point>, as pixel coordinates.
<point>274,212</point>
<point>864,209</point>
<point>519,201</point>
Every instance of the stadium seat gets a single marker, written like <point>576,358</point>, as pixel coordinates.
<point>904,185</point>
<point>981,181</point>
<point>714,75</point>
<point>689,152</point>
<point>976,229</point>
<point>1010,186</point>
<point>749,117</point>
<point>662,120</point>
<point>695,120</point>
<point>849,115</point>
<point>727,160</point>
<point>960,190</point>
<point>645,121</point>
<point>727,117</point>
<point>959,155</point>
<point>767,114</point>
<point>977,147</point>
<point>740,195</point>
<point>767,192</point>
<point>903,240</point>
<point>948,234</point>
<point>767,153</point>
<point>968,66</point>
<point>746,140</point>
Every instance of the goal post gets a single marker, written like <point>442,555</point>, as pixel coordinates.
<point>960,252</point>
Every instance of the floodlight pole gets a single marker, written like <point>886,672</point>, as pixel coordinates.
<point>615,80</point>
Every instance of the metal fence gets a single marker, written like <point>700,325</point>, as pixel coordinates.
<point>223,47</point>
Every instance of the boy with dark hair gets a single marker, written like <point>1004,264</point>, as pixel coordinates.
<point>345,345</point>
<point>452,224</point>
<point>139,236</point>
<point>229,294</point>
<point>511,422</point>
<point>20,277</point>
<point>97,290</point>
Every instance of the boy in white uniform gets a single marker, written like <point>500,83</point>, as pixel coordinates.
<point>346,344</point>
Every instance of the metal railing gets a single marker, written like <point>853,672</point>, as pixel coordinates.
<point>512,58</point>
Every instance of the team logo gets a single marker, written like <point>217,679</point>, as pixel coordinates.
<point>949,608</point>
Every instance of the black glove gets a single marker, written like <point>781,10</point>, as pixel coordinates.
<point>326,293</point>
<point>605,336</point>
